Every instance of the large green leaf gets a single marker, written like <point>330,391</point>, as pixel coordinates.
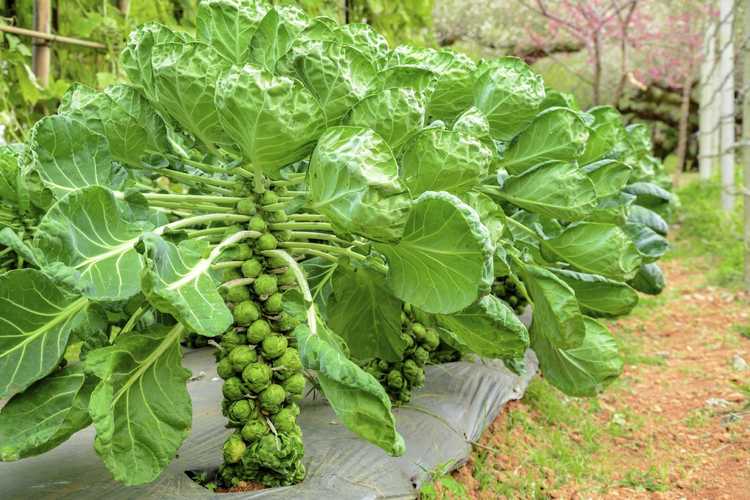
<point>650,244</point>
<point>88,238</point>
<point>454,87</point>
<point>443,263</point>
<point>69,155</point>
<point>275,35</point>
<point>648,194</point>
<point>366,315</point>
<point>489,328</point>
<point>473,122</point>
<point>444,160</point>
<point>606,133</point>
<point>178,281</point>
<point>599,296</point>
<point>555,189</point>
<point>338,75</point>
<point>229,25</point>
<point>46,414</point>
<point>185,76</point>
<point>555,134</point>
<point>356,397</point>
<point>417,78</point>
<point>353,180</point>
<point>395,114</point>
<point>272,119</point>
<point>36,319</point>
<point>608,176</point>
<point>369,42</point>
<point>509,93</point>
<point>595,248</point>
<point>585,370</point>
<point>612,209</point>
<point>555,98</point>
<point>557,316</point>
<point>649,218</point>
<point>141,408</point>
<point>649,279</point>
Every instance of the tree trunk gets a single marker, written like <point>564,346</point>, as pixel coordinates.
<point>40,59</point>
<point>726,44</point>
<point>708,128</point>
<point>683,128</point>
<point>746,147</point>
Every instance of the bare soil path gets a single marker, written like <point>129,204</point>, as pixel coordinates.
<point>676,425</point>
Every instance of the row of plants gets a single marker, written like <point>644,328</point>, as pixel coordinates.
<point>330,213</point>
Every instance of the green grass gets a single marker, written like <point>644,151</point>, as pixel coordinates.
<point>707,232</point>
<point>652,480</point>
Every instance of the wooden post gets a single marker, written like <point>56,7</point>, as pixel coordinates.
<point>124,6</point>
<point>708,134</point>
<point>41,54</point>
<point>746,141</point>
<point>726,45</point>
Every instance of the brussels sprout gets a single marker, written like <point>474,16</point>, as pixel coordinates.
<point>277,216</point>
<point>258,331</point>
<point>252,268</point>
<point>243,251</point>
<point>419,331</point>
<point>265,285</point>
<point>237,294</point>
<point>431,339</point>
<point>383,365</point>
<point>422,317</point>
<point>408,340</point>
<point>283,235</point>
<point>267,241</point>
<point>421,356</point>
<point>231,274</point>
<point>287,278</point>
<point>288,363</point>
<point>254,429</point>
<point>272,398</point>
<point>276,262</point>
<point>403,396</point>
<point>241,410</point>
<point>274,346</point>
<point>257,376</point>
<point>245,312</point>
<point>411,370</point>
<point>404,318</point>
<point>407,308</point>
<point>269,198</point>
<point>232,389</point>
<point>225,369</point>
<point>286,322</point>
<point>232,339</point>
<point>285,420</point>
<point>294,385</point>
<point>257,223</point>
<point>395,380</point>
<point>274,303</point>
<point>234,449</point>
<point>246,206</point>
<point>241,356</point>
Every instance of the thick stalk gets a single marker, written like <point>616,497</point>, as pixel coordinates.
<point>192,198</point>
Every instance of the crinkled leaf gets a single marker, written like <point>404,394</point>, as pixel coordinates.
<point>608,176</point>
<point>649,279</point>
<point>10,239</point>
<point>177,280</point>
<point>229,25</point>
<point>612,209</point>
<point>365,314</point>
<point>356,397</point>
<point>555,134</point>
<point>490,213</point>
<point>36,319</point>
<point>46,414</point>
<point>141,409</point>
<point>509,93</point>
<point>353,180</point>
<point>473,122</point>
<point>369,42</point>
<point>87,239</point>
<point>606,133</point>
<point>273,119</point>
<point>443,262</point>
<point>599,296</point>
<point>444,160</point>
<point>489,328</point>
<point>416,78</point>
<point>649,218</point>
<point>275,35</point>
<point>454,88</point>
<point>650,244</point>
<point>555,98</point>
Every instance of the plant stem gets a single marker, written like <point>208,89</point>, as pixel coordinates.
<point>318,236</point>
<point>207,232</point>
<point>312,320</point>
<point>304,226</point>
<point>192,198</point>
<point>199,220</point>
<point>228,264</point>
<point>195,207</point>
<point>130,324</point>
<point>237,282</point>
<point>307,217</point>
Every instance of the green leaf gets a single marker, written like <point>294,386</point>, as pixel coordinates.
<point>444,260</point>
<point>365,314</point>
<point>419,79</point>
<point>185,76</point>
<point>338,75</point>
<point>557,317</point>
<point>489,328</point>
<point>490,213</point>
<point>88,239</point>
<point>395,114</point>
<point>46,414</point>
<point>454,87</point>
<point>356,397</point>
<point>585,370</point>
<point>68,155</point>
<point>649,279</point>
<point>177,281</point>
<point>369,42</point>
<point>595,248</point>
<point>649,218</point>
<point>141,408</point>
<point>651,245</point>
<point>36,319</point>
<point>555,134</point>
<point>612,209</point>
<point>608,176</point>
<point>555,189</point>
<point>599,296</point>
<point>272,119</point>
<point>555,98</point>
<point>275,35</point>
<point>229,25</point>
<point>353,180</point>
<point>607,132</point>
<point>444,160</point>
<point>473,122</point>
<point>10,239</point>
<point>509,93</point>
<point>648,194</point>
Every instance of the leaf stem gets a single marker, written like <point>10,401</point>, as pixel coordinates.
<point>304,226</point>
<point>308,217</point>
<point>200,220</point>
<point>304,287</point>
<point>192,198</point>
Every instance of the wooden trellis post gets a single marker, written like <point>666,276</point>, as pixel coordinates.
<point>41,53</point>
